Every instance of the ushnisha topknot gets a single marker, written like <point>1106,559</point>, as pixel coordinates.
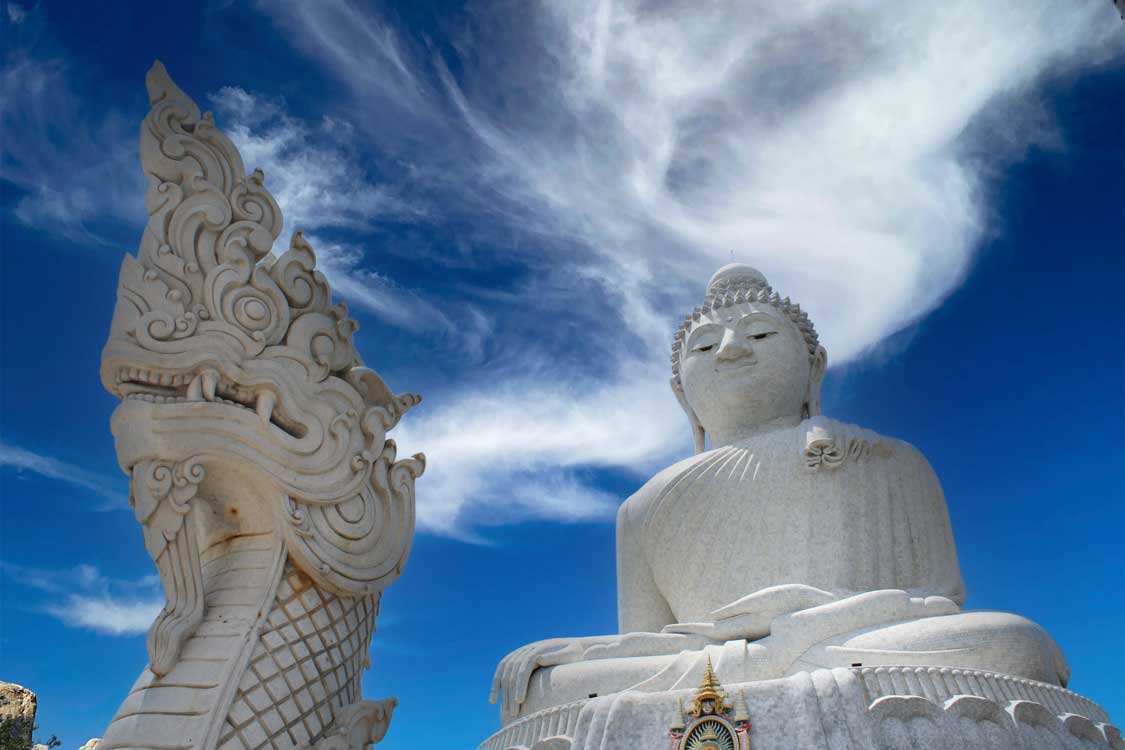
<point>735,284</point>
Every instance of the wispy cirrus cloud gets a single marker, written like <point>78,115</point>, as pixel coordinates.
<point>844,148</point>
<point>75,171</point>
<point>78,169</point>
<point>106,614</point>
<point>83,597</point>
<point>517,451</point>
<point>312,169</point>
<point>600,159</point>
<point>115,494</point>
<point>314,172</point>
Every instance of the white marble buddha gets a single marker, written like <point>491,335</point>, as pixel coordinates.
<point>794,543</point>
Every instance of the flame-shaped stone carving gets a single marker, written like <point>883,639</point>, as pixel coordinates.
<point>269,496</point>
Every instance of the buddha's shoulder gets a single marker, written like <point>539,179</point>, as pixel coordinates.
<point>825,442</point>
<point>819,445</point>
<point>637,503</point>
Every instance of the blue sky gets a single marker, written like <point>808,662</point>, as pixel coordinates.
<point>518,200</point>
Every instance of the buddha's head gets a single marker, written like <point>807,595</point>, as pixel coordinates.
<point>744,359</point>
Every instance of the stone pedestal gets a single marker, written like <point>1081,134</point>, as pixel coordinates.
<point>861,708</point>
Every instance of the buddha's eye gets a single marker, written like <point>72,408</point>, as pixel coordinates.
<point>705,339</point>
<point>760,336</point>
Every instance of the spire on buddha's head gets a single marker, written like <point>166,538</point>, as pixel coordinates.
<point>738,274</point>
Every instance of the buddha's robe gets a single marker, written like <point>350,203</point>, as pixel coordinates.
<point>823,504</point>
<point>850,513</point>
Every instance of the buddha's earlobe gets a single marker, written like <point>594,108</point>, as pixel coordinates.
<point>698,434</point>
<point>817,368</point>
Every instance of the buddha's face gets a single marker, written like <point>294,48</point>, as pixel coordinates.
<point>743,366</point>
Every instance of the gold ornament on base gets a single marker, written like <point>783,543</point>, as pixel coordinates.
<point>707,723</point>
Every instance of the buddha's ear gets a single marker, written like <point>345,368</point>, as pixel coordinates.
<point>816,378</point>
<point>698,434</point>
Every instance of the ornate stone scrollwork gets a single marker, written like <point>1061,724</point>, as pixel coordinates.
<point>161,495</point>
<point>270,498</point>
<point>828,444</point>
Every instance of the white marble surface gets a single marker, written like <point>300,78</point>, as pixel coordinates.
<point>884,708</point>
<point>789,543</point>
<point>268,494</point>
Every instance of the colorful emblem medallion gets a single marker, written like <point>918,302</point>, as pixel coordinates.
<point>707,723</point>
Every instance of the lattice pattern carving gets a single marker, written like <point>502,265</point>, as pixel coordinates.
<point>305,668</point>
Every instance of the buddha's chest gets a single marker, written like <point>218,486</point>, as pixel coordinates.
<point>744,521</point>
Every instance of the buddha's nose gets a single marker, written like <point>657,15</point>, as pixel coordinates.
<point>733,347</point>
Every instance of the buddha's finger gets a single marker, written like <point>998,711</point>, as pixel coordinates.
<point>519,673</point>
<point>494,692</point>
<point>508,686</point>
<point>523,678</point>
<point>498,678</point>
<point>690,628</point>
<point>750,627</point>
<point>498,684</point>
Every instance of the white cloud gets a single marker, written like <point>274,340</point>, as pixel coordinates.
<point>309,169</point>
<point>52,468</point>
<point>614,154</point>
<point>78,169</point>
<point>821,141</point>
<point>75,169</point>
<point>511,453</point>
<point>314,174</point>
<point>364,288</point>
<point>825,142</point>
<point>108,615</point>
<point>16,13</point>
<point>83,597</point>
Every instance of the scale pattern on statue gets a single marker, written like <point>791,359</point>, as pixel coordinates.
<point>305,668</point>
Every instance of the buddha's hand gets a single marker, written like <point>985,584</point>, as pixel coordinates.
<point>515,669</point>
<point>750,616</point>
<point>628,645</point>
<point>800,630</point>
<point>513,675</point>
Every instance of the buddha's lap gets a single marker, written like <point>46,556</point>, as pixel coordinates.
<point>554,686</point>
<point>986,640</point>
<point>989,641</point>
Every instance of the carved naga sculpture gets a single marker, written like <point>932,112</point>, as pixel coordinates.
<point>268,494</point>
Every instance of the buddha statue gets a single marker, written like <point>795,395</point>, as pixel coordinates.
<point>791,543</point>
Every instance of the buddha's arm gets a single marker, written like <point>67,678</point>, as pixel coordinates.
<point>642,612</point>
<point>640,605</point>
<point>800,614</point>
<point>750,617</point>
<point>514,671</point>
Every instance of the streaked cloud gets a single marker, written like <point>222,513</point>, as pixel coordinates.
<point>311,169</point>
<point>16,12</point>
<point>75,170</point>
<point>315,173</point>
<point>107,615</point>
<point>115,493</point>
<point>844,148</point>
<point>82,597</point>
<point>515,452</point>
<point>602,159</point>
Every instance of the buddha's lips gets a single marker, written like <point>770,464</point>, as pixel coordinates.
<point>739,365</point>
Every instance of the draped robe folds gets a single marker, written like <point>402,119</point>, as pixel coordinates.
<point>823,504</point>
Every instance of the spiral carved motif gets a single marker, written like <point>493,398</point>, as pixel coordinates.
<point>237,368</point>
